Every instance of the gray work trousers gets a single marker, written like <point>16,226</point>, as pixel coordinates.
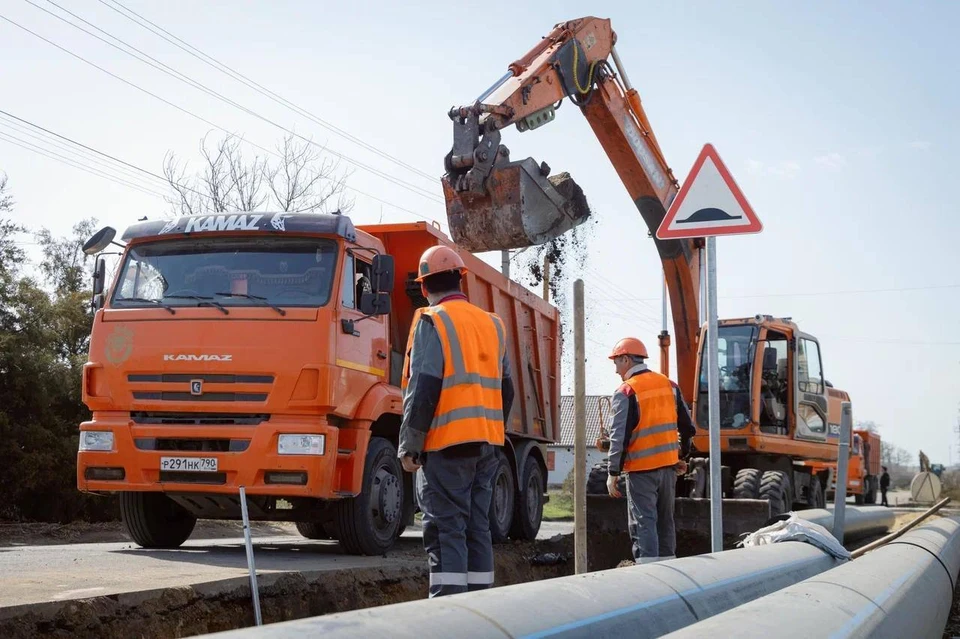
<point>650,496</point>
<point>454,493</point>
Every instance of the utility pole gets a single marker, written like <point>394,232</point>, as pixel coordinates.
<point>579,433</point>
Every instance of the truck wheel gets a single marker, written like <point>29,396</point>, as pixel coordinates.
<point>154,520</point>
<point>501,505</point>
<point>746,485</point>
<point>858,499</point>
<point>312,530</point>
<point>368,523</point>
<point>870,494</point>
<point>775,488</point>
<point>529,510</point>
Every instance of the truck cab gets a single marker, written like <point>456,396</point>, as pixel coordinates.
<point>265,351</point>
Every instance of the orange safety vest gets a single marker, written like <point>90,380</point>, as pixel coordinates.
<point>653,442</point>
<point>471,405</point>
<point>405,375</point>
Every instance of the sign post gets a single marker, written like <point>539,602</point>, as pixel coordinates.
<point>710,204</point>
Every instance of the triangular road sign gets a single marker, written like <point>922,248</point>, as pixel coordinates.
<point>709,203</point>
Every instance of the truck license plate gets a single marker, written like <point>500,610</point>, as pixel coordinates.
<point>189,464</point>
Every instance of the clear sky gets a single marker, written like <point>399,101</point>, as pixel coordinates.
<point>838,120</point>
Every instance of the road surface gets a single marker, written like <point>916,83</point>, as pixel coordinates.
<point>34,574</point>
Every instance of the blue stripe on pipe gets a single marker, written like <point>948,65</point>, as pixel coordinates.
<point>573,625</point>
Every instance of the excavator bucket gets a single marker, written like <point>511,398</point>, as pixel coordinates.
<point>519,208</point>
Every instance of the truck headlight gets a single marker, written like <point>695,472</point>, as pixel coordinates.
<point>301,444</point>
<point>96,440</point>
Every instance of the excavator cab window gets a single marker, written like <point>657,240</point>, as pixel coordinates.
<point>774,384</point>
<point>736,346</point>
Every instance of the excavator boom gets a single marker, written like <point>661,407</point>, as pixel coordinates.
<point>494,203</point>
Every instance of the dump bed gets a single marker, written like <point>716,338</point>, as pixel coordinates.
<point>871,451</point>
<point>532,324</point>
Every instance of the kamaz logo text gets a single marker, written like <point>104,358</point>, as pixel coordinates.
<point>198,358</point>
<point>223,223</point>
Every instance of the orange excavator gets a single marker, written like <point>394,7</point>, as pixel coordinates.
<point>778,412</point>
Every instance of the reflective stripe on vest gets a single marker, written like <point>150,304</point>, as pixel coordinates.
<point>653,442</point>
<point>471,404</point>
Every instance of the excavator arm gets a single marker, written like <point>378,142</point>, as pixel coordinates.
<point>496,204</point>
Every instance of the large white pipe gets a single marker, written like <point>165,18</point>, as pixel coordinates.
<point>640,601</point>
<point>903,589</point>
<point>858,521</point>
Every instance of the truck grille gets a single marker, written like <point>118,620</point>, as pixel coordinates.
<point>183,390</point>
<point>186,378</point>
<point>179,396</point>
<point>192,445</point>
<point>199,419</point>
<point>193,478</point>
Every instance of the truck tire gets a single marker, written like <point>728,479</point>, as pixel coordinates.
<point>154,520</point>
<point>858,499</point>
<point>775,488</point>
<point>502,502</point>
<point>529,510</point>
<point>312,530</point>
<point>368,523</point>
<point>746,485</point>
<point>870,496</point>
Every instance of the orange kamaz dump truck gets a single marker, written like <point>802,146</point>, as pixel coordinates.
<point>265,351</point>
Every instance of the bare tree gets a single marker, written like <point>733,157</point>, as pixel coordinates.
<point>298,179</point>
<point>869,425</point>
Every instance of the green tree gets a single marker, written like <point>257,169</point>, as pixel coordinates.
<point>44,333</point>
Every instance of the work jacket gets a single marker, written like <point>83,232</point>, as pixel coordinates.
<point>649,416</point>
<point>457,388</point>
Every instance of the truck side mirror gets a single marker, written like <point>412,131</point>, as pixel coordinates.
<point>375,303</point>
<point>99,241</point>
<point>99,282</point>
<point>99,276</point>
<point>382,274</point>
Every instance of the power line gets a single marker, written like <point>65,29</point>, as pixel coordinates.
<point>88,157</point>
<point>70,162</point>
<point>177,75</point>
<point>236,75</point>
<point>822,293</point>
<point>194,115</point>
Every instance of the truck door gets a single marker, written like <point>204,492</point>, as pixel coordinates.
<point>361,347</point>
<point>810,396</point>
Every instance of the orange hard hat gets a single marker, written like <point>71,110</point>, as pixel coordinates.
<point>629,346</point>
<point>438,259</point>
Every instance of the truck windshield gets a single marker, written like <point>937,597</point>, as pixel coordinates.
<point>231,271</point>
<point>735,352</point>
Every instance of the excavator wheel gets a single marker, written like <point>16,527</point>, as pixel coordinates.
<point>746,485</point>
<point>775,488</point>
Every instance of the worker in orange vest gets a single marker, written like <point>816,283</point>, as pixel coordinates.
<point>457,395</point>
<point>649,417</point>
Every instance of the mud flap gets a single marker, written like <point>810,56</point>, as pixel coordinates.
<point>519,208</point>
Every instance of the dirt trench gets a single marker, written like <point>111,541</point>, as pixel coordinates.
<point>226,605</point>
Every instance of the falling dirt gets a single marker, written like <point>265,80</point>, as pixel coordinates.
<point>206,608</point>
